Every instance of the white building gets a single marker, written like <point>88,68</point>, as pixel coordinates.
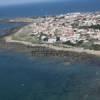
<point>63,39</point>
<point>51,40</point>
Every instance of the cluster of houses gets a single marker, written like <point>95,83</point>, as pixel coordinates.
<point>68,27</point>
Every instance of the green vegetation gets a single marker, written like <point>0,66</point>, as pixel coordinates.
<point>92,26</point>
<point>95,26</point>
<point>24,37</point>
<point>96,47</point>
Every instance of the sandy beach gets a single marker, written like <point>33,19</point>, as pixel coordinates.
<point>9,39</point>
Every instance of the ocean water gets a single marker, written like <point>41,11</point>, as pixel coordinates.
<point>25,78</point>
<point>43,9</point>
<point>47,78</point>
<point>7,26</point>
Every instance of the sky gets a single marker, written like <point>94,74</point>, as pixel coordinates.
<point>10,2</point>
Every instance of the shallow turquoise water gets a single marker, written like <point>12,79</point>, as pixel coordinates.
<point>24,78</point>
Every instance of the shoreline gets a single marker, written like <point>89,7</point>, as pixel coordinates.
<point>50,46</point>
<point>31,52</point>
<point>38,50</point>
